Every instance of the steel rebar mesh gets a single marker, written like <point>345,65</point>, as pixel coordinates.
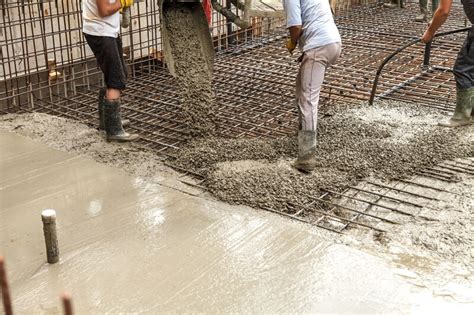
<point>44,54</point>
<point>254,75</point>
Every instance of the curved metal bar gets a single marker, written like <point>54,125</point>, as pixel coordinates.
<point>414,41</point>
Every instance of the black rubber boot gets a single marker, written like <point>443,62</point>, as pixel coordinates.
<point>463,111</point>
<point>102,92</point>
<point>113,123</point>
<point>306,161</point>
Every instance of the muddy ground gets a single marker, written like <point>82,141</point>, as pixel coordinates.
<point>385,142</point>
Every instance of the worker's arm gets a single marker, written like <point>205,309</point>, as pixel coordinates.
<point>295,33</point>
<point>439,18</point>
<point>293,22</point>
<point>106,8</point>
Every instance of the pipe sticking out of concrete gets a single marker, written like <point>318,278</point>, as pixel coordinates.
<point>67,304</point>
<point>48,217</point>
<point>7,303</point>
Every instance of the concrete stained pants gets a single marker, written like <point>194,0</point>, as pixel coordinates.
<point>424,6</point>
<point>309,81</point>
<point>464,66</point>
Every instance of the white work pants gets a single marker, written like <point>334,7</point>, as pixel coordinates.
<point>309,81</point>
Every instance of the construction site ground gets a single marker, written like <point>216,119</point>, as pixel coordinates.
<point>140,244</point>
<point>225,224</point>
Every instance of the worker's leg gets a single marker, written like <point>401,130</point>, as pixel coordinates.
<point>434,5</point>
<point>304,117</point>
<point>464,75</point>
<point>423,16</point>
<point>102,52</point>
<point>309,81</point>
<point>108,52</point>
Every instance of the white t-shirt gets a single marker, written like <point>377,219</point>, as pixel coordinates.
<point>95,25</point>
<point>317,22</point>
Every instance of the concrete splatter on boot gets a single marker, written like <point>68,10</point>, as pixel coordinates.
<point>463,111</point>
<point>102,92</point>
<point>306,161</point>
<point>392,4</point>
<point>113,123</point>
<point>423,16</point>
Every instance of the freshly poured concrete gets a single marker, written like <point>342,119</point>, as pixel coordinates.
<point>132,246</point>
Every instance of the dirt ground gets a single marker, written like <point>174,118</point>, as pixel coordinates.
<point>385,142</point>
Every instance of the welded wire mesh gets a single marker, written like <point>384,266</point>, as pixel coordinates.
<point>47,66</point>
<point>44,54</point>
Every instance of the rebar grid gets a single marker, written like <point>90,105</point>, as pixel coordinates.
<point>374,204</point>
<point>254,85</point>
<point>43,52</point>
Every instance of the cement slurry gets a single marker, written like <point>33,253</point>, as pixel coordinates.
<point>128,245</point>
<point>191,48</point>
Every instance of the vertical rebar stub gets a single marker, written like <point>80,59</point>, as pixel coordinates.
<point>48,217</point>
<point>67,304</point>
<point>5,289</point>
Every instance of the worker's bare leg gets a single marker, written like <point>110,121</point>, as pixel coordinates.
<point>112,94</point>
<point>308,87</point>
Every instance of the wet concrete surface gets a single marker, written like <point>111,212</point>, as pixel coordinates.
<point>128,245</point>
<point>388,140</point>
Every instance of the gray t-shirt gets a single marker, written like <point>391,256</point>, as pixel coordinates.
<point>469,9</point>
<point>317,22</point>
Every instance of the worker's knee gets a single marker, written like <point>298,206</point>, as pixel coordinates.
<point>112,94</point>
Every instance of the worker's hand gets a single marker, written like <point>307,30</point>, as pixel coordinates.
<point>427,36</point>
<point>290,46</point>
<point>126,3</point>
